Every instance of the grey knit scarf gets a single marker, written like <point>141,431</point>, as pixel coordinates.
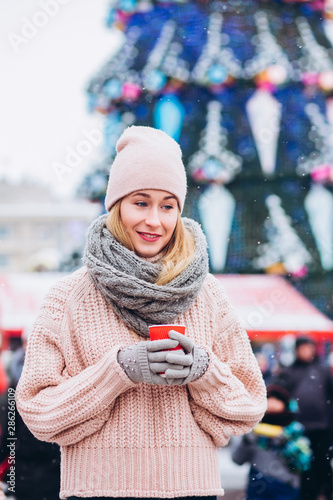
<point>127,281</point>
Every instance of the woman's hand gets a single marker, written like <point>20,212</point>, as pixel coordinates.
<point>191,363</point>
<point>145,361</point>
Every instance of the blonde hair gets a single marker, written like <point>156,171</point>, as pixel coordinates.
<point>179,252</point>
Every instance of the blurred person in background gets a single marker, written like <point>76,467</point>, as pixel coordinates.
<point>263,363</point>
<point>37,464</point>
<point>276,450</point>
<point>311,384</point>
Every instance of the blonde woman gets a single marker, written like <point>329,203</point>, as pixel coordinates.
<point>92,378</point>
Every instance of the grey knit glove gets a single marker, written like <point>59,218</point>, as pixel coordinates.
<point>193,362</point>
<point>144,361</point>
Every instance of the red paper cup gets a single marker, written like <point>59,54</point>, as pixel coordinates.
<point>158,332</point>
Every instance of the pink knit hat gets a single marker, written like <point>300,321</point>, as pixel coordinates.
<point>147,158</point>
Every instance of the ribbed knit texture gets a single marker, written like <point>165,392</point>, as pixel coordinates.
<point>119,438</point>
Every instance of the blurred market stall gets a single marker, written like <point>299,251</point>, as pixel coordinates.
<point>21,295</point>
<point>271,308</point>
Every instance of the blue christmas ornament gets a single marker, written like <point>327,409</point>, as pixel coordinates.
<point>111,18</point>
<point>155,80</point>
<point>92,100</point>
<point>211,168</point>
<point>113,89</point>
<point>127,5</point>
<point>217,74</point>
<point>112,131</point>
<point>98,183</point>
<point>293,406</point>
<point>294,430</point>
<point>169,115</point>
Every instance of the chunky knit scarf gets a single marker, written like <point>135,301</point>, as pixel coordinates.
<point>128,282</point>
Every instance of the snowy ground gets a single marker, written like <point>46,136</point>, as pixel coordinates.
<point>233,476</point>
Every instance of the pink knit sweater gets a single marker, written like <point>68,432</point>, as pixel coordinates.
<point>123,439</point>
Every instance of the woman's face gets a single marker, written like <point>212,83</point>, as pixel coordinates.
<point>306,352</point>
<point>149,217</point>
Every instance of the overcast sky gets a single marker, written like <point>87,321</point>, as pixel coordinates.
<point>49,50</point>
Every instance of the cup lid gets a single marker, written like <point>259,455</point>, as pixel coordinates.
<point>167,324</point>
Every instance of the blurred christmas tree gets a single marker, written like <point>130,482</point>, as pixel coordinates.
<point>246,88</point>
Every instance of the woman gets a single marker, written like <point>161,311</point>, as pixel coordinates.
<point>91,380</point>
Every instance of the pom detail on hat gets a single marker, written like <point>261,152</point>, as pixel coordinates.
<point>147,158</point>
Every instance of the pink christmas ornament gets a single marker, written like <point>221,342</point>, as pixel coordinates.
<point>300,273</point>
<point>265,85</point>
<point>122,17</point>
<point>310,78</point>
<point>199,176</point>
<point>321,173</point>
<point>131,91</point>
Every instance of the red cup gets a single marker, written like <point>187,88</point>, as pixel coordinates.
<point>159,332</point>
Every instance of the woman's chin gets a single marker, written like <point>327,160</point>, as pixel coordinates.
<point>147,253</point>
<point>146,249</point>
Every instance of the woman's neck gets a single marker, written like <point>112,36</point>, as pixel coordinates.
<point>155,258</point>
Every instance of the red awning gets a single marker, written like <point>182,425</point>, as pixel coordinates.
<point>270,307</point>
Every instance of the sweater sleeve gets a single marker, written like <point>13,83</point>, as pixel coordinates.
<point>230,398</point>
<point>55,406</point>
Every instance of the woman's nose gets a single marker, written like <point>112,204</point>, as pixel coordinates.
<point>153,218</point>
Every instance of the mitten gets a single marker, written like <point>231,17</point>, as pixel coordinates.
<point>193,361</point>
<point>145,361</point>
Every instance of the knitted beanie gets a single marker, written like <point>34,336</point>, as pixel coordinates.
<point>278,392</point>
<point>304,340</point>
<point>147,158</point>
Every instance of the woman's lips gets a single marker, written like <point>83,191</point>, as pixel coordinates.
<point>149,237</point>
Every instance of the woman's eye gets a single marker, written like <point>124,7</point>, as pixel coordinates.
<point>141,203</point>
<point>168,207</point>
